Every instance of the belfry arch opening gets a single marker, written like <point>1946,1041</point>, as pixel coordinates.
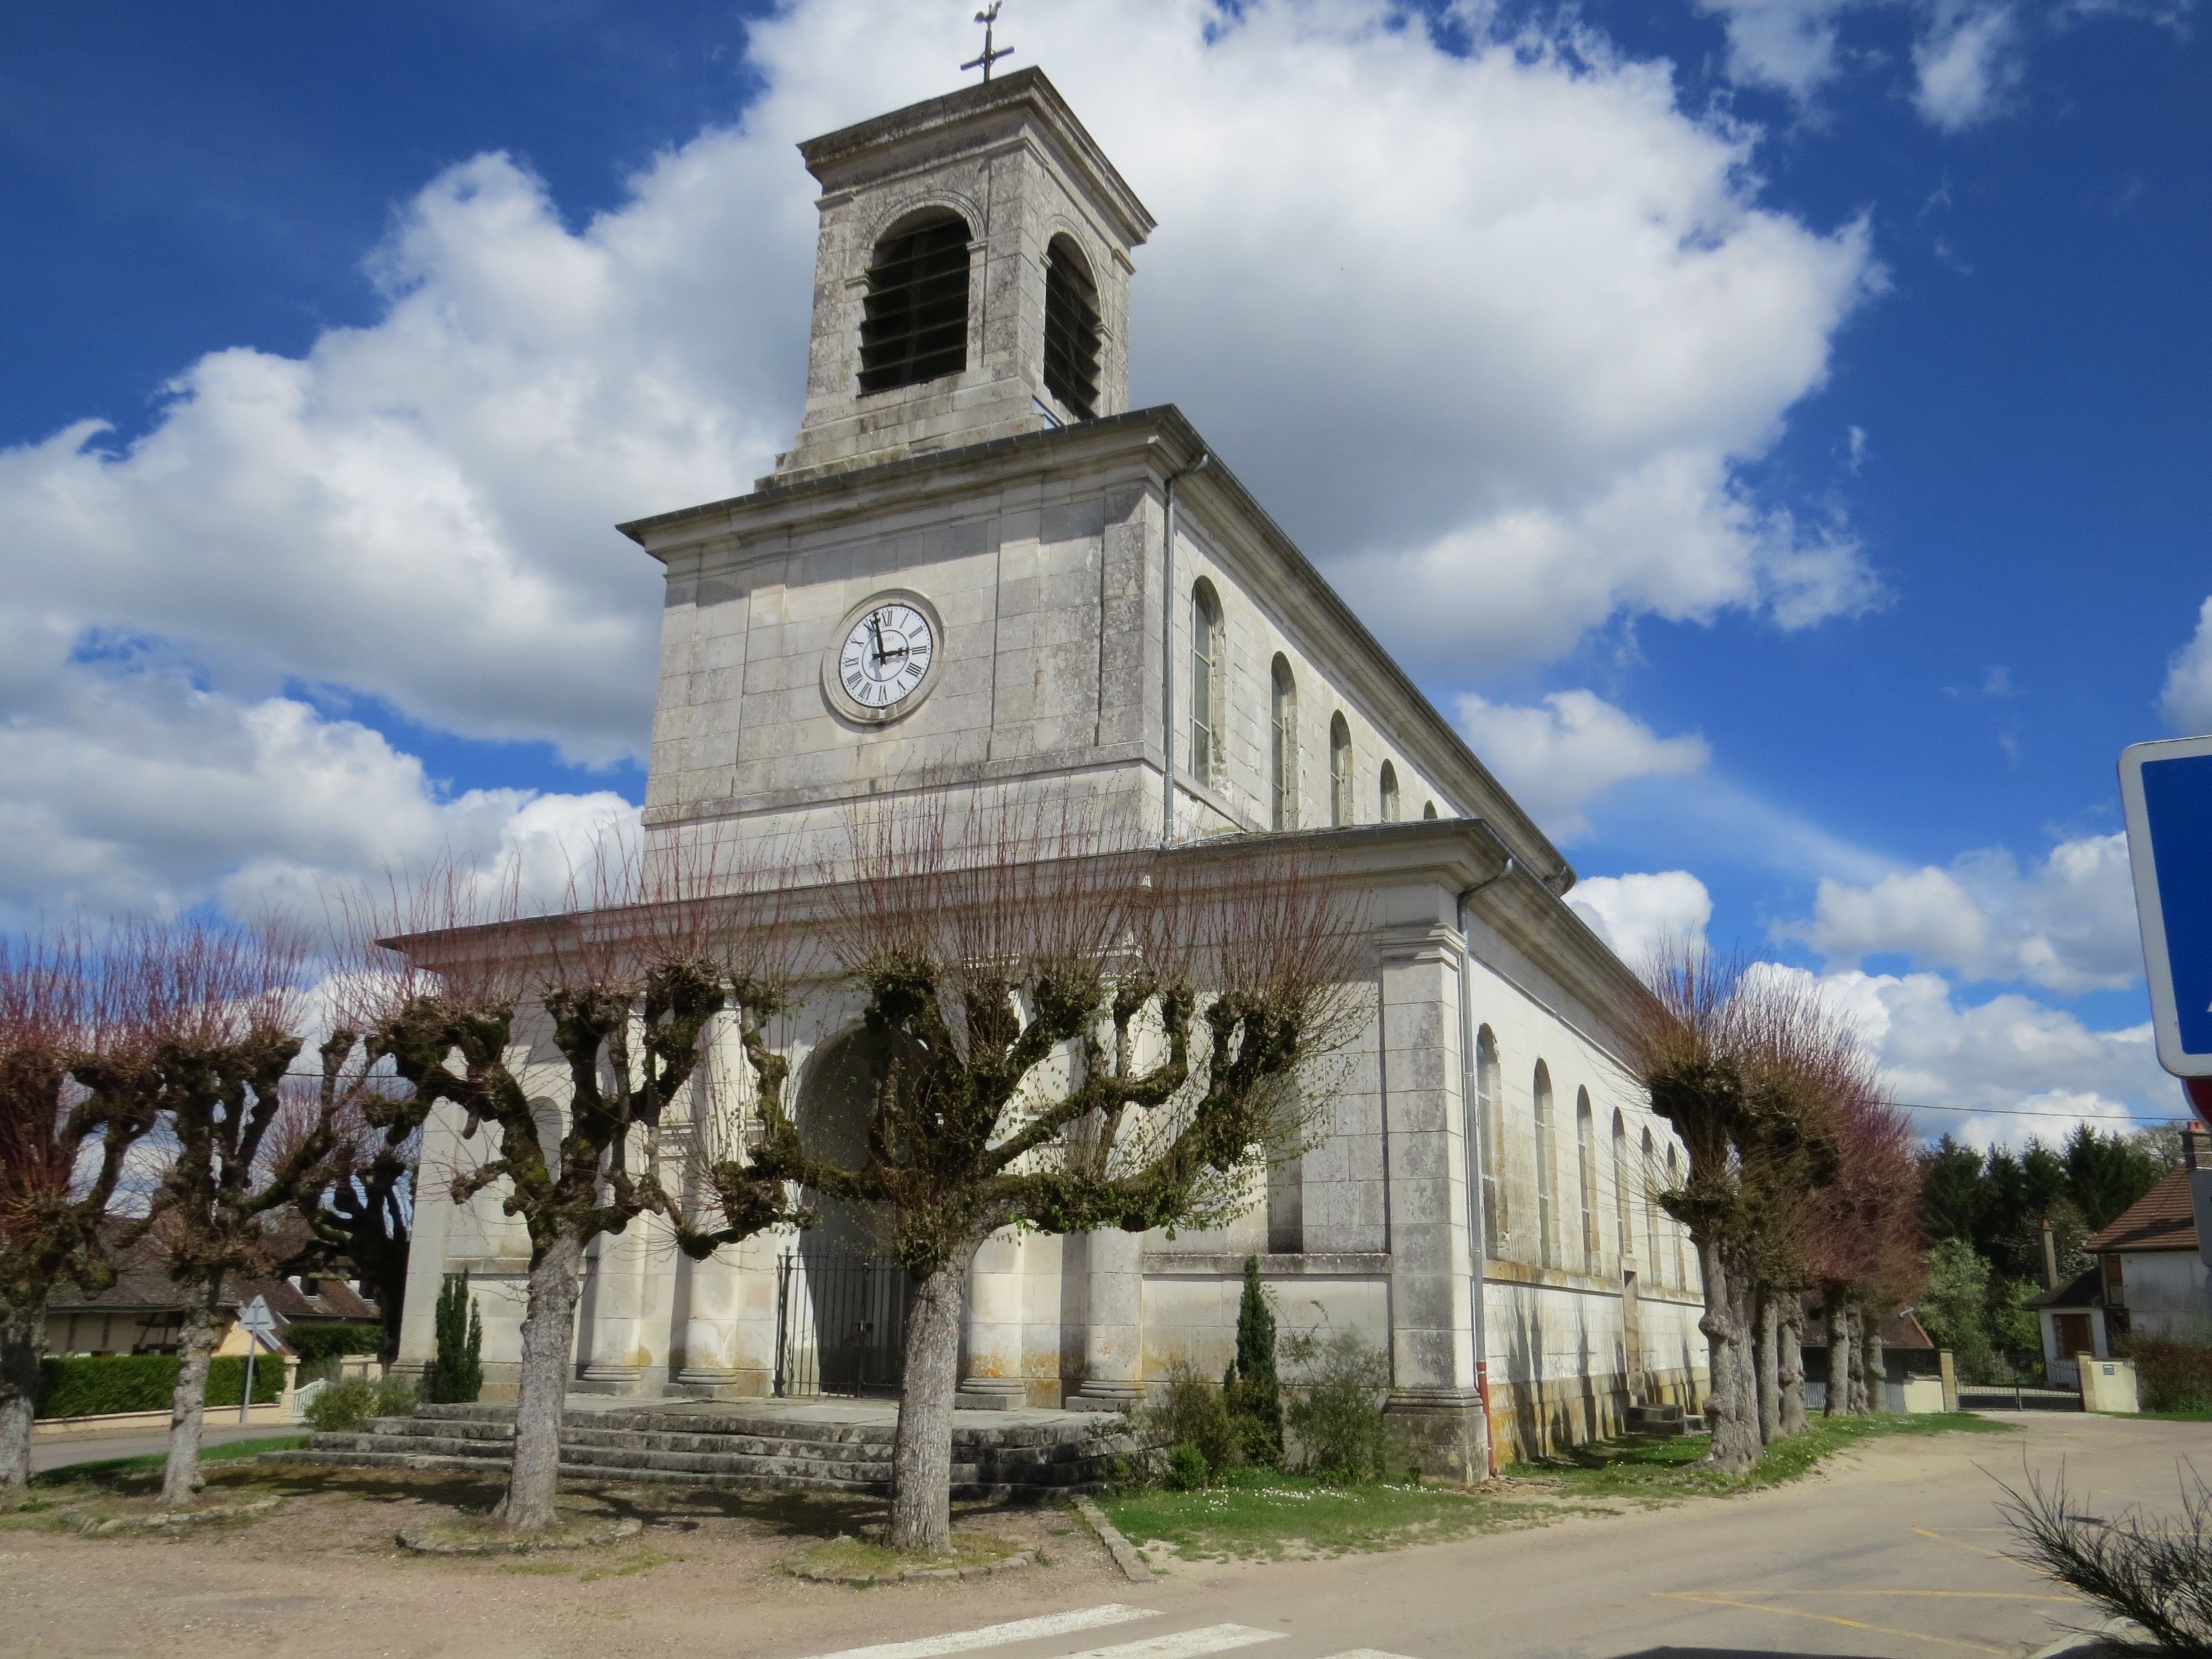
<point>1072,331</point>
<point>914,325</point>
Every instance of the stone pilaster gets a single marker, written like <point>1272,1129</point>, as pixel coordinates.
<point>1113,1346</point>
<point>991,1357</point>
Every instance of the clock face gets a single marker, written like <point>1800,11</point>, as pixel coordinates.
<point>885,655</point>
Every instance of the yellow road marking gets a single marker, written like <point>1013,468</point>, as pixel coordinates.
<point>1719,1601</point>
<point>1974,1549</point>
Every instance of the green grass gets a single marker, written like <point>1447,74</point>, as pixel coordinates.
<point>1256,1514</point>
<point>113,1468</point>
<point>1649,1469</point>
<point>2172,1414</point>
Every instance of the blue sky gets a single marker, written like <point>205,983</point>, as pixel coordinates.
<point>1777,430</point>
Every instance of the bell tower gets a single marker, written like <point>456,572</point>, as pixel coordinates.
<point>971,281</point>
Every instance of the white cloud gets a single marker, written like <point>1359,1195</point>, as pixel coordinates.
<point>1789,44</point>
<point>2068,925</point>
<point>1980,1065</point>
<point>1556,759</point>
<point>125,787</point>
<point>1637,914</point>
<point>2186,702</point>
<point>1968,65</point>
<point>1538,319</point>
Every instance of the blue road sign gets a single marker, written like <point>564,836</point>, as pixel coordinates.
<point>2166,789</point>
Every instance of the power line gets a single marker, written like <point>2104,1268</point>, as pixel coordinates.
<point>2019,1111</point>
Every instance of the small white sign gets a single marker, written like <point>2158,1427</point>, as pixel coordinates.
<point>256,1319</point>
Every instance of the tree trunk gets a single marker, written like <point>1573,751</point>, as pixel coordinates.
<point>1765,1360</point>
<point>921,1458</point>
<point>1877,1361</point>
<point>1860,1404</point>
<point>1789,1363</point>
<point>1836,1318</point>
<point>549,1345</point>
<point>1730,1413</point>
<point>21,1336</point>
<point>203,1329</point>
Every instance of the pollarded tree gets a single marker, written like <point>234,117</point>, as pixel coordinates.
<point>622,993</point>
<point>1069,1037</point>
<point>214,1017</point>
<point>359,1203</point>
<point>62,1153</point>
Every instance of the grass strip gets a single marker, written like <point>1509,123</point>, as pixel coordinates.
<point>1259,1514</point>
<point>1654,1469</point>
<point>113,1468</point>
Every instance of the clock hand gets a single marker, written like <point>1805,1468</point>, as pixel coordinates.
<point>876,627</point>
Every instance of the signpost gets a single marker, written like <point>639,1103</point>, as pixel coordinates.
<point>259,1325</point>
<point>2166,789</point>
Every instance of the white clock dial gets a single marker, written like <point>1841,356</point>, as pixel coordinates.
<point>886,655</point>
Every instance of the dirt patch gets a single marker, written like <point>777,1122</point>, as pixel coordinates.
<point>324,1569</point>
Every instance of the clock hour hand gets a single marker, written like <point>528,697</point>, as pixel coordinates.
<point>876,627</point>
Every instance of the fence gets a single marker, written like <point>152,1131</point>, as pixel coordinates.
<point>840,1324</point>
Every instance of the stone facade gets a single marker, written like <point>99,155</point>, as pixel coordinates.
<point>1069,634</point>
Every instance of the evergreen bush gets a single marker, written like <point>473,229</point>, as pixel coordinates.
<point>456,1375</point>
<point>1249,1387</point>
<point>1192,1413</point>
<point>319,1346</point>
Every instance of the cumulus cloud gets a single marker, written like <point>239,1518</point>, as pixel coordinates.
<point>127,787</point>
<point>2186,702</point>
<point>1559,757</point>
<point>1540,320</point>
<point>1968,63</point>
<point>1637,914</point>
<point>2068,925</point>
<point>1980,1065</point>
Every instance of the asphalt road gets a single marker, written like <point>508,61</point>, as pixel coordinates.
<point>1895,1553</point>
<point>98,1448</point>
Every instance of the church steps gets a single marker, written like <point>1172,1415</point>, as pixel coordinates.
<point>753,1451</point>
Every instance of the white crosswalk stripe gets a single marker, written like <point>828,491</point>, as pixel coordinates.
<point>1366,1653</point>
<point>993,1636</point>
<point>1187,1643</point>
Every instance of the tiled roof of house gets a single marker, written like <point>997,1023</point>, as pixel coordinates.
<point>2163,1219</point>
<point>2085,1289</point>
<point>142,1281</point>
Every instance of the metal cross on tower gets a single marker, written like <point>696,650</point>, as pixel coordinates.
<point>987,17</point>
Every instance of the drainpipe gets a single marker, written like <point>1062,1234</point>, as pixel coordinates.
<point>1468,1090</point>
<point>1167,653</point>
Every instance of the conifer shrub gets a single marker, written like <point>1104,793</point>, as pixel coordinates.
<point>1249,1387</point>
<point>456,1375</point>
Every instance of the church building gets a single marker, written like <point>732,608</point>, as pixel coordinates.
<point>977,569</point>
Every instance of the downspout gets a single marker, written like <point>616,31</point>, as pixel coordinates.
<point>1477,1234</point>
<point>1167,651</point>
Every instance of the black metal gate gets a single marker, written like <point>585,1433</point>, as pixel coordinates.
<point>840,1323</point>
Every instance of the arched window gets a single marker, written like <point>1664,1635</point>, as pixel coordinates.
<point>1389,793</point>
<point>1586,1176</point>
<point>1547,1219</point>
<point>1496,1225</point>
<point>1340,771</point>
<point>1623,1224</point>
<point>913,322</point>
<point>1675,1227</point>
<point>1071,328</point>
<point>1647,1175</point>
<point>1205,688</point>
<point>1283,753</point>
<point>1429,809</point>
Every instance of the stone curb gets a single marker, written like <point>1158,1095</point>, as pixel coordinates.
<point>93,1527</point>
<point>421,1544</point>
<point>861,1580</point>
<point>1124,1554</point>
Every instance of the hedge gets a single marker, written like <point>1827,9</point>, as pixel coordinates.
<point>2171,1375</point>
<point>318,1345</point>
<point>145,1383</point>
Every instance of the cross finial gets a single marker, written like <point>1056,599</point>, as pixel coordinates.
<point>987,17</point>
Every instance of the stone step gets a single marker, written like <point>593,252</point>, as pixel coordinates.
<point>460,1437</point>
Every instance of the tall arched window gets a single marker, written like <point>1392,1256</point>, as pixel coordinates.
<point>1389,793</point>
<point>1646,1175</point>
<point>1547,1176</point>
<point>1205,688</point>
<point>1340,771</point>
<point>1071,328</point>
<point>1283,750</point>
<point>1675,1227</point>
<point>1586,1176</point>
<point>914,325</point>
<point>1623,1224</point>
<point>1496,1223</point>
